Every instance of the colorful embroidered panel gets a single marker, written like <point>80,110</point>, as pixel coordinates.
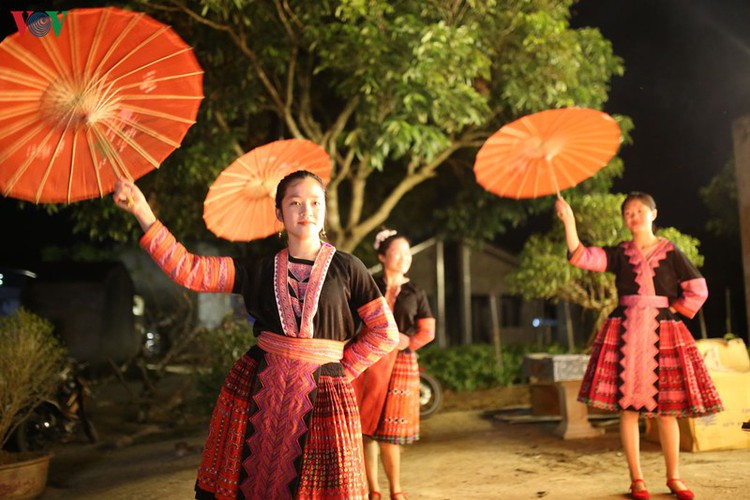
<point>312,294</point>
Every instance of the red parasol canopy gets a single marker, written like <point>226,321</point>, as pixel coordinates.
<point>110,97</point>
<point>546,152</point>
<point>240,205</point>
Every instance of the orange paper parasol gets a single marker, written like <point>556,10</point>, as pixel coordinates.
<point>110,96</point>
<point>240,205</point>
<point>546,152</point>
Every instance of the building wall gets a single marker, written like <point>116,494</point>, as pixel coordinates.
<point>468,312</point>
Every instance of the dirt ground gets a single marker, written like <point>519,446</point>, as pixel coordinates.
<point>466,452</point>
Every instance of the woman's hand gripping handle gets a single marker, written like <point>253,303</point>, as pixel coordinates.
<point>565,214</point>
<point>130,198</point>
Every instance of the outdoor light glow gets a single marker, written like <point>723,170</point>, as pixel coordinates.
<point>1,279</point>
<point>536,322</point>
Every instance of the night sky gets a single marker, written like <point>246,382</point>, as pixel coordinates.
<point>687,76</point>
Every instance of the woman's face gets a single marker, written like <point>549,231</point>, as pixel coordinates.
<point>397,259</point>
<point>638,217</point>
<point>303,209</point>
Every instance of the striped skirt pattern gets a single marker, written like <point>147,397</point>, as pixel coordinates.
<point>322,457</point>
<point>682,383</point>
<point>399,423</point>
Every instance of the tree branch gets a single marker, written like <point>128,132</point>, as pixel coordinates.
<point>225,127</point>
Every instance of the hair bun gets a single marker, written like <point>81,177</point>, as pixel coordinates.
<point>382,236</point>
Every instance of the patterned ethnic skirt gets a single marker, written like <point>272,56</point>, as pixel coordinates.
<point>283,428</point>
<point>389,401</point>
<point>656,370</point>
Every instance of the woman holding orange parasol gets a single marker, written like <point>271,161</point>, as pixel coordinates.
<point>286,423</point>
<point>644,360</point>
<point>388,391</point>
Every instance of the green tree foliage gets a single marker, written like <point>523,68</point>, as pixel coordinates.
<point>396,87</point>
<point>720,197</point>
<point>544,271</point>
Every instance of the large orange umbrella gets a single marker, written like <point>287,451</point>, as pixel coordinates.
<point>240,205</point>
<point>110,97</point>
<point>546,152</point>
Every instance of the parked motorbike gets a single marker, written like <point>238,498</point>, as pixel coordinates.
<point>60,418</point>
<point>430,394</point>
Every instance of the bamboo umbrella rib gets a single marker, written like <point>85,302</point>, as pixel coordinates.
<point>15,112</point>
<point>228,181</point>
<point>511,174</point>
<point>21,142</point>
<point>220,210</point>
<point>94,159</point>
<point>52,159</point>
<point>157,114</point>
<point>148,131</point>
<point>21,78</point>
<point>74,148</point>
<point>155,97</point>
<point>146,65</point>
<point>155,61</point>
<point>101,74</point>
<point>162,79</point>
<point>108,94</point>
<point>113,156</point>
<point>53,51</point>
<point>134,145</point>
<point>554,179</point>
<point>572,170</point>
<point>30,158</point>
<point>248,166</point>
<point>572,181</point>
<point>19,95</point>
<point>89,71</point>
<point>594,158</point>
<point>74,55</point>
<point>526,173</point>
<point>215,198</point>
<point>28,58</point>
<point>142,44</point>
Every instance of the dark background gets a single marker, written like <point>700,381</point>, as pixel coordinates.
<point>687,77</point>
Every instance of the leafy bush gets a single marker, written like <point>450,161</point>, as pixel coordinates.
<point>30,360</point>
<point>471,367</point>
<point>221,347</point>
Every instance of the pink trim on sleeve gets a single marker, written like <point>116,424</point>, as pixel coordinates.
<point>377,338</point>
<point>591,258</point>
<point>694,294</point>
<point>196,272</point>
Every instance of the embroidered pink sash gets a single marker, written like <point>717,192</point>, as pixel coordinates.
<point>318,351</point>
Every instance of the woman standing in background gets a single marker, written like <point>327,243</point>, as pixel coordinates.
<point>388,391</point>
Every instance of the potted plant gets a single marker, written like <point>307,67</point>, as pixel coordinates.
<point>30,360</point>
